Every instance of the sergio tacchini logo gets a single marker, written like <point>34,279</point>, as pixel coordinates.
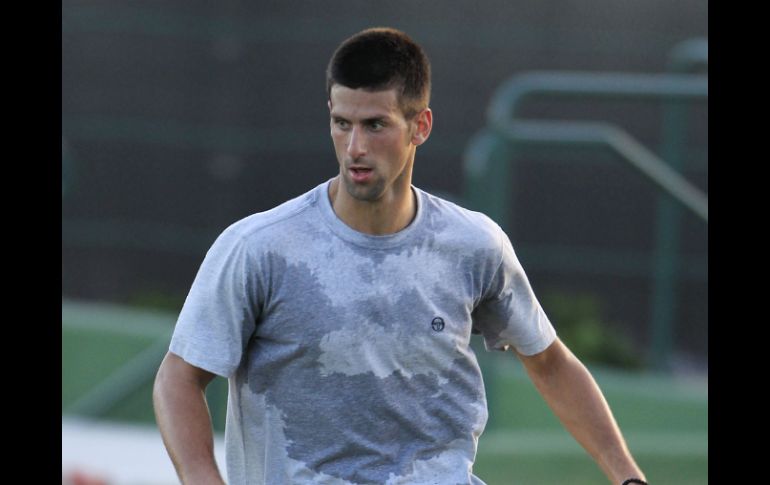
<point>437,324</point>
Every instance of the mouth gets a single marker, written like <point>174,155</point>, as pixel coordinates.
<point>360,174</point>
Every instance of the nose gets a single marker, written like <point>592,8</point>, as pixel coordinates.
<point>356,143</point>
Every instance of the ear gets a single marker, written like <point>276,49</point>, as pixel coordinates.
<point>329,104</point>
<point>424,123</point>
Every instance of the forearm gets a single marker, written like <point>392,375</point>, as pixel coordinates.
<point>575,398</point>
<point>185,425</point>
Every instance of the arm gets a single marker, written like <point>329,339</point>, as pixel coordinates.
<point>184,420</point>
<point>575,398</point>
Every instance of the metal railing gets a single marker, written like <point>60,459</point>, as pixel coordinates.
<point>487,163</point>
<point>482,166</point>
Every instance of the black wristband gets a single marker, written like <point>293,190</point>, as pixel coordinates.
<point>634,480</point>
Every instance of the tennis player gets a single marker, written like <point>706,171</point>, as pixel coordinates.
<point>343,317</point>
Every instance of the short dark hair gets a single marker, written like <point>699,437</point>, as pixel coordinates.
<point>382,58</point>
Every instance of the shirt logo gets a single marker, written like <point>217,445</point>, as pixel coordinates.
<point>437,324</point>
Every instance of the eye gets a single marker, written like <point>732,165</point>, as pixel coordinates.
<point>376,125</point>
<point>341,124</point>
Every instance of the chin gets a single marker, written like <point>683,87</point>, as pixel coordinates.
<point>365,193</point>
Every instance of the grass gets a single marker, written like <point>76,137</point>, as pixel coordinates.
<point>577,470</point>
<point>664,420</point>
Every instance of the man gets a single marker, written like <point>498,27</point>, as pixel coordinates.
<point>342,318</point>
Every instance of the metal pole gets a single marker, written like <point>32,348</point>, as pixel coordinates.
<point>684,57</point>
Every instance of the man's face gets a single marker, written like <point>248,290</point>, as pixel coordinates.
<point>375,144</point>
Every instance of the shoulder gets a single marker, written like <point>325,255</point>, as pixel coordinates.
<point>262,226</point>
<point>472,227</point>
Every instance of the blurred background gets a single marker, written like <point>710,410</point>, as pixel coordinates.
<point>580,127</point>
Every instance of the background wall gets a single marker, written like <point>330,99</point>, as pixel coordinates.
<point>182,117</point>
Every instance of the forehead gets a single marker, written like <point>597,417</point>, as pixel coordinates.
<point>363,104</point>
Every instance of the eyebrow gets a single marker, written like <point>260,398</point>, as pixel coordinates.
<point>369,120</point>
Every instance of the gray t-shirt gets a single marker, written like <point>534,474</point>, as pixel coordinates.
<point>348,355</point>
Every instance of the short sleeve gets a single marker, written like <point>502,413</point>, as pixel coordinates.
<point>219,315</point>
<point>509,314</point>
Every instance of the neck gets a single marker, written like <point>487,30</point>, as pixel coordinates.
<point>388,215</point>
